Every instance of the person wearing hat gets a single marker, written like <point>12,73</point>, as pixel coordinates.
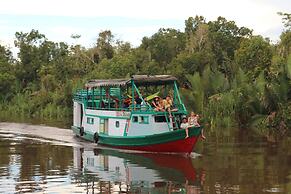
<point>185,125</point>
<point>158,104</point>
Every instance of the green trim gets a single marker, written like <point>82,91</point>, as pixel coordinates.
<point>106,117</point>
<point>140,96</point>
<point>124,130</point>
<point>178,95</point>
<point>132,94</point>
<point>147,140</point>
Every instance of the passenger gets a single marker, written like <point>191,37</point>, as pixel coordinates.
<point>137,99</point>
<point>193,121</point>
<point>185,125</point>
<point>161,105</point>
<point>155,103</point>
<point>126,102</point>
<point>168,103</point>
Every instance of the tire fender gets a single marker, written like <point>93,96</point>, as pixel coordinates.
<point>81,131</point>
<point>96,137</point>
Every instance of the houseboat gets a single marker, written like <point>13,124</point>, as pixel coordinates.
<point>119,113</point>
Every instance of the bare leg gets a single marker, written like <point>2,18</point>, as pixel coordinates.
<point>187,133</point>
<point>202,134</point>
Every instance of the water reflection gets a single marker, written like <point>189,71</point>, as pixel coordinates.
<point>112,171</point>
<point>28,165</point>
<point>35,165</point>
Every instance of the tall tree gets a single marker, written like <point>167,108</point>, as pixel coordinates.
<point>225,37</point>
<point>105,47</point>
<point>164,46</point>
<point>7,76</point>
<point>29,55</point>
<point>254,55</point>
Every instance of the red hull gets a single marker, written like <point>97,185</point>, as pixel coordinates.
<point>179,146</point>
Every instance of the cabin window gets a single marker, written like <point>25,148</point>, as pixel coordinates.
<point>102,125</point>
<point>90,162</point>
<point>90,120</point>
<point>144,120</point>
<point>160,119</point>
<point>117,124</point>
<point>135,119</point>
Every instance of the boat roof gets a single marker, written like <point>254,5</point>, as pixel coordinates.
<point>139,80</point>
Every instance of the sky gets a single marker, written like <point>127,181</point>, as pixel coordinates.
<point>131,20</point>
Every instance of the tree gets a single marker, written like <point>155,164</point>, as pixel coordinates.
<point>105,47</point>
<point>225,37</point>
<point>164,46</point>
<point>254,55</point>
<point>286,18</point>
<point>7,76</point>
<point>191,25</point>
<point>29,55</point>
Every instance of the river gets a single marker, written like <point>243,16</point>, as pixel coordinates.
<point>42,159</point>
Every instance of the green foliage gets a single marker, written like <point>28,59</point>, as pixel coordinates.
<point>286,18</point>
<point>164,46</point>
<point>254,55</point>
<point>227,75</point>
<point>7,76</point>
<point>104,45</point>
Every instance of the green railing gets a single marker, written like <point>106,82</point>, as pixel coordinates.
<point>98,99</point>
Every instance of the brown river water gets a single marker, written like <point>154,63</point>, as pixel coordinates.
<point>42,159</point>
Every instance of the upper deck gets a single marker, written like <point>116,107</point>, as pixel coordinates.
<point>135,94</point>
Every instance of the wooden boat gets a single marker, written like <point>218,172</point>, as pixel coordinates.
<point>102,114</point>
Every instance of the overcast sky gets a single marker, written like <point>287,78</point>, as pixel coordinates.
<point>130,20</point>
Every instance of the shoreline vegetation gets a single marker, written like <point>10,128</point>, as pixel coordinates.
<point>226,74</point>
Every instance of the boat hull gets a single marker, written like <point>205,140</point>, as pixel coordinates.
<point>169,142</point>
<point>179,146</point>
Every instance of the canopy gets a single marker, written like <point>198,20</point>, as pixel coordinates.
<point>153,79</point>
<point>108,82</point>
<point>139,80</point>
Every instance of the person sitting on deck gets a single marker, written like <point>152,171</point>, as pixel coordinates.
<point>126,103</point>
<point>137,99</point>
<point>161,106</point>
<point>155,102</point>
<point>193,122</point>
<point>168,104</point>
<point>185,125</point>
<point>158,104</point>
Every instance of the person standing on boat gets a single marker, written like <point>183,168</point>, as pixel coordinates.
<point>185,125</point>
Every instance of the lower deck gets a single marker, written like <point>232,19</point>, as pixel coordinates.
<point>124,123</point>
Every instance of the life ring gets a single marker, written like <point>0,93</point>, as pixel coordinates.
<point>96,137</point>
<point>81,131</point>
